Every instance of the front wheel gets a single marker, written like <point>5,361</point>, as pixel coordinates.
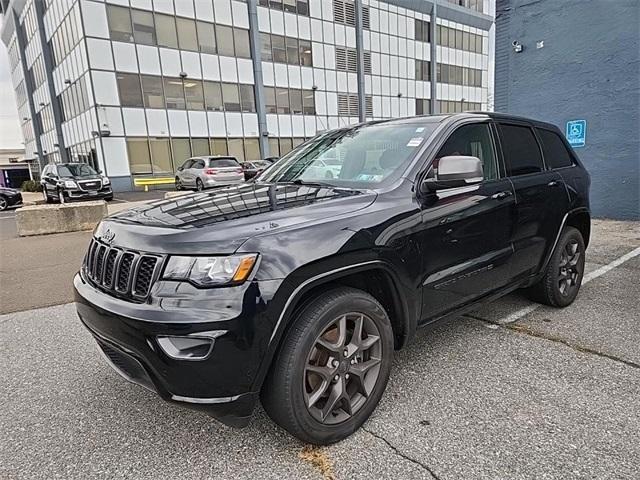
<point>178,184</point>
<point>332,368</point>
<point>562,279</point>
<point>3,203</point>
<point>60,197</point>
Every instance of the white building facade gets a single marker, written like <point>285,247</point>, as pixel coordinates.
<point>135,87</point>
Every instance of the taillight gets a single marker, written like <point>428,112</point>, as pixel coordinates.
<point>210,171</point>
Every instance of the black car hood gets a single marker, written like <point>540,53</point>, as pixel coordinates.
<point>220,221</point>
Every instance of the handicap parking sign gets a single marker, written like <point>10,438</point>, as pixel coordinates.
<point>576,132</point>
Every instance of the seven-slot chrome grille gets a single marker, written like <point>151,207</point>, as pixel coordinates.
<point>125,273</point>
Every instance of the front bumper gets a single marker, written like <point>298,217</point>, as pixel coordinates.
<point>222,385</point>
<point>78,194</point>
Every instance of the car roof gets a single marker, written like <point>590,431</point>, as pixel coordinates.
<point>438,118</point>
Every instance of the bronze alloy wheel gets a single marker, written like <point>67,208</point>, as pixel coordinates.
<point>342,368</point>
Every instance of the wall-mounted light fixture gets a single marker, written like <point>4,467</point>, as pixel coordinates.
<point>183,74</point>
<point>517,46</point>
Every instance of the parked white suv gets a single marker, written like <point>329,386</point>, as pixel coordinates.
<point>205,172</point>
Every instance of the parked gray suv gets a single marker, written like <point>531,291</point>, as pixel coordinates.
<point>204,172</point>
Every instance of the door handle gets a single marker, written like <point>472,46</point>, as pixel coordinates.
<point>501,195</point>
<point>552,183</point>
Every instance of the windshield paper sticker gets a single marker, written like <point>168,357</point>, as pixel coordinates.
<point>414,142</point>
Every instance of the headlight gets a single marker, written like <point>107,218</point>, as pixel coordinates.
<point>210,271</point>
<point>70,184</point>
<point>105,181</point>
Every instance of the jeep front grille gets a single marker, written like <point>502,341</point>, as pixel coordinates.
<point>124,273</point>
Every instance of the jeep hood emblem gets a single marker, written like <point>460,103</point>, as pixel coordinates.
<point>108,236</point>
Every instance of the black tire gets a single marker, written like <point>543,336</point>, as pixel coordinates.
<point>178,184</point>
<point>563,276</point>
<point>109,198</point>
<point>199,185</point>
<point>46,196</point>
<point>60,197</point>
<point>284,395</point>
<point>3,203</point>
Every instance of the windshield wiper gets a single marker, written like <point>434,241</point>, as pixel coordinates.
<point>314,183</point>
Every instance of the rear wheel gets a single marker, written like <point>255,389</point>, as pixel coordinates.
<point>562,279</point>
<point>199,185</point>
<point>332,368</point>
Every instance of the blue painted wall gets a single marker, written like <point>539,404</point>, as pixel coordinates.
<point>589,68</point>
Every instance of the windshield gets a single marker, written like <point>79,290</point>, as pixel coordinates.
<point>361,157</point>
<point>75,170</point>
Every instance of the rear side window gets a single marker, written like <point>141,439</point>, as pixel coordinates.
<point>521,153</point>
<point>198,164</point>
<point>223,162</point>
<point>556,153</point>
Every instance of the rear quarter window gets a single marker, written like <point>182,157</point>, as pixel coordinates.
<point>223,162</point>
<point>556,154</point>
<point>521,152</point>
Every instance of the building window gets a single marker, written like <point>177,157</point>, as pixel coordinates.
<point>422,31</point>
<point>282,100</point>
<point>152,91</point>
<point>301,7</point>
<point>119,23</point>
<point>213,96</point>
<point>457,106</point>
<point>247,98</point>
<point>423,70</point>
<point>193,94</point>
<point>236,148</point>
<point>286,50</point>
<point>241,41</point>
<point>423,106</point>
<point>143,27</point>
<point>458,75</point>
<point>174,93</point>
<point>206,37</point>
<point>129,88</point>
<point>270,100</point>
<point>453,38</point>
<point>166,30</point>
<point>230,97</point>
<point>139,157</point>
<point>181,150</point>
<point>187,36</point>
<point>160,156</point>
<point>308,102</point>
<point>219,146</point>
<point>200,147</point>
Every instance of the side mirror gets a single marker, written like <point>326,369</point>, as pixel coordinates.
<point>180,169</point>
<point>454,171</point>
<point>99,172</point>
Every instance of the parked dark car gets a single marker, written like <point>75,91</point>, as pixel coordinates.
<point>254,167</point>
<point>297,290</point>
<point>63,182</point>
<point>9,197</point>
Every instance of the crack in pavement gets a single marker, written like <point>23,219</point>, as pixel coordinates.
<point>523,329</point>
<point>401,454</point>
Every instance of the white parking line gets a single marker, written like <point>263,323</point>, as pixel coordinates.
<point>518,314</point>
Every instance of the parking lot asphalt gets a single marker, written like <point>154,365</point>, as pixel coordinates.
<point>511,390</point>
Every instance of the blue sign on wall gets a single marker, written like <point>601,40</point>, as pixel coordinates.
<point>576,132</point>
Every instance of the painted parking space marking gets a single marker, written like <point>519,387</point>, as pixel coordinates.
<point>518,314</point>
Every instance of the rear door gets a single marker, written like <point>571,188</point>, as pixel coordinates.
<point>541,198</point>
<point>196,170</point>
<point>466,232</point>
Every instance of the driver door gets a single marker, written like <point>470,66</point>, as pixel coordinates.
<point>466,231</point>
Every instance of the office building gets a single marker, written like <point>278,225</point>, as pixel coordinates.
<point>135,87</point>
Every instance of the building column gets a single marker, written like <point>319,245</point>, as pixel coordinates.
<point>28,87</point>
<point>362,114</point>
<point>48,67</point>
<point>434,60</point>
<point>258,88</point>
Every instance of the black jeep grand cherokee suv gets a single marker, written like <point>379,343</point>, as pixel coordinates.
<point>297,289</point>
